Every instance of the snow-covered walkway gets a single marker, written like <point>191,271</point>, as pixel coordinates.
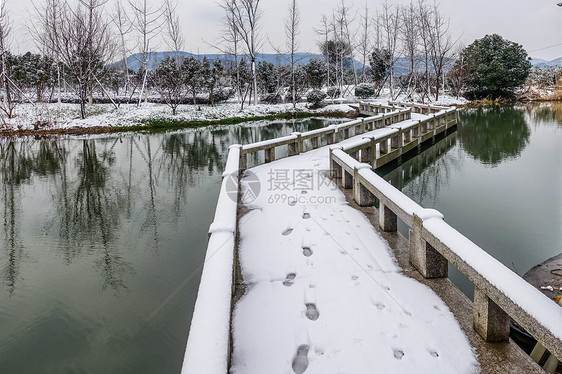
<point>324,293</point>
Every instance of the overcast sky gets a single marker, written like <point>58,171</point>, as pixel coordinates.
<point>536,24</point>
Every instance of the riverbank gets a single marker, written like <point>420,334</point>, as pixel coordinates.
<point>547,277</point>
<point>51,119</point>
<point>63,119</point>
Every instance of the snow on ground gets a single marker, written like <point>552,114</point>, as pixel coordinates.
<point>324,293</point>
<point>66,116</point>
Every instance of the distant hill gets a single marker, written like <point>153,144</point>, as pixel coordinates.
<point>537,62</point>
<point>401,66</point>
<point>157,57</point>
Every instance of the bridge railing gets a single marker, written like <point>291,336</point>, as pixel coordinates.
<point>295,142</point>
<point>419,108</point>
<point>208,343</point>
<point>499,293</point>
<point>400,138</point>
<point>434,242</point>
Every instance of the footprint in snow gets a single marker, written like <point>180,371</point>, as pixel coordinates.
<point>312,312</point>
<point>307,251</point>
<point>398,354</point>
<point>300,361</point>
<point>288,282</point>
<point>287,231</point>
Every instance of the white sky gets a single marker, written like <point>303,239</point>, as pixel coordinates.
<point>536,24</point>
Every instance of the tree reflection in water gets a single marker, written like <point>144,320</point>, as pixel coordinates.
<point>495,135</point>
<point>16,168</point>
<point>550,112</point>
<point>102,190</point>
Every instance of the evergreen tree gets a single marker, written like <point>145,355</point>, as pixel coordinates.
<point>315,73</point>
<point>171,88</point>
<point>192,75</point>
<point>381,63</point>
<point>216,74</point>
<point>267,77</point>
<point>495,66</point>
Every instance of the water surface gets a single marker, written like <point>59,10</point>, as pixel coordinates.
<point>497,180</point>
<point>102,244</point>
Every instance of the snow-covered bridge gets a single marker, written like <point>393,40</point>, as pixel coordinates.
<point>315,286</point>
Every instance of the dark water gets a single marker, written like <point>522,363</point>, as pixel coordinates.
<point>497,180</point>
<point>101,246</point>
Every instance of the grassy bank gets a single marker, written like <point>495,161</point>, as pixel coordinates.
<point>163,124</point>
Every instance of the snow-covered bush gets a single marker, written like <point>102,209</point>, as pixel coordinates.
<point>364,90</point>
<point>315,97</point>
<point>334,92</point>
<point>222,94</point>
<point>272,98</point>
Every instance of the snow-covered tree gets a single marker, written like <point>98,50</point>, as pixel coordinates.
<point>171,89</point>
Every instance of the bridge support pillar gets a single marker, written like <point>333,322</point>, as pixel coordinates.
<point>490,321</point>
<point>430,263</point>
<point>270,155</point>
<point>296,147</point>
<point>407,136</point>
<point>361,195</point>
<point>383,147</point>
<point>315,142</point>
<point>335,169</point>
<point>346,180</point>
<point>366,155</point>
<point>388,221</point>
<point>396,141</point>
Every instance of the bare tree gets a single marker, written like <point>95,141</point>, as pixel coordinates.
<point>174,37</point>
<point>410,40</point>
<point>458,75</point>
<point>84,44</point>
<point>292,31</point>
<point>147,21</point>
<point>7,102</point>
<point>441,46</point>
<point>389,19</point>
<point>324,32</point>
<point>45,32</point>
<point>124,28</point>
<point>246,16</point>
<point>424,22</point>
<point>229,42</point>
<point>364,44</point>
<point>347,34</point>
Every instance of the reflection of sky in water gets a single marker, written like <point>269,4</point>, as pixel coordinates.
<point>101,246</point>
<point>501,187</point>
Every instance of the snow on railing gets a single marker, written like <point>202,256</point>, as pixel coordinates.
<point>499,295</point>
<point>399,138</point>
<point>333,134</point>
<point>208,343</point>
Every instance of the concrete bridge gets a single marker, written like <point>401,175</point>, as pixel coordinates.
<point>342,303</point>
